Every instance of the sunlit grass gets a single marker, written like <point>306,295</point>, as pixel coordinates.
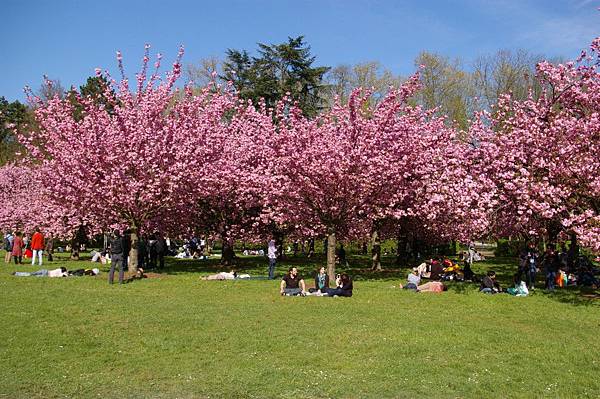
<point>177,336</point>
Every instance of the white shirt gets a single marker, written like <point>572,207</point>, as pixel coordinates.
<point>56,273</point>
<point>272,252</point>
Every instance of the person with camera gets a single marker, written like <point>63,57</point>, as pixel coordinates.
<point>343,286</point>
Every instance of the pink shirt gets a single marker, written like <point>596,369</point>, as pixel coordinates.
<point>18,245</point>
<point>436,286</point>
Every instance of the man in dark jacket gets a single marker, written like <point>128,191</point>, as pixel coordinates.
<point>489,285</point>
<point>529,265</point>
<point>161,250</point>
<point>116,257</point>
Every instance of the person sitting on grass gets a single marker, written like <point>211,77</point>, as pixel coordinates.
<point>489,285</point>
<point>520,287</point>
<point>343,286</point>
<point>432,286</point>
<point>292,283</point>
<point>431,269</point>
<point>414,279</point>
<point>321,282</point>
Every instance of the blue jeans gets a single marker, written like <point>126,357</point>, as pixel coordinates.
<point>292,291</point>
<point>116,259</point>
<point>339,292</point>
<point>531,278</point>
<point>487,290</point>
<point>39,273</point>
<point>272,262</point>
<point>550,279</point>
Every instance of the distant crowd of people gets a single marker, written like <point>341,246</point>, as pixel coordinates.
<point>561,266</point>
<point>18,246</point>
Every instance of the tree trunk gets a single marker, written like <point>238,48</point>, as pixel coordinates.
<point>133,251</point>
<point>311,247</point>
<point>364,248</point>
<point>401,253</point>
<point>331,257</point>
<point>573,253</point>
<point>375,250</point>
<point>279,245</point>
<point>227,252</point>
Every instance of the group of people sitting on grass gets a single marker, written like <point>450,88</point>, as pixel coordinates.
<point>293,284</point>
<point>444,269</point>
<point>488,284</point>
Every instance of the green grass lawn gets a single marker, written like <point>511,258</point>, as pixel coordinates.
<point>179,337</point>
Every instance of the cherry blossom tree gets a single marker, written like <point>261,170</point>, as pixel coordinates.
<point>544,154</point>
<point>347,172</point>
<point>130,164</point>
<point>26,207</point>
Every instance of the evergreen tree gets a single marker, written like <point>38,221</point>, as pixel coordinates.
<point>278,69</point>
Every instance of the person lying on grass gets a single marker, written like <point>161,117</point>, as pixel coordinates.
<point>60,272</point>
<point>432,286</point>
<point>221,276</point>
<point>292,283</point>
<point>84,272</point>
<point>232,275</point>
<point>489,285</point>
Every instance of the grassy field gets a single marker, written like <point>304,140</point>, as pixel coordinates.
<point>178,337</point>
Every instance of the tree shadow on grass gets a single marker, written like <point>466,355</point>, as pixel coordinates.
<point>359,267</point>
<point>578,296</point>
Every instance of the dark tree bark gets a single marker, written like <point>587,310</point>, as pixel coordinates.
<point>331,257</point>
<point>375,250</point>
<point>133,251</point>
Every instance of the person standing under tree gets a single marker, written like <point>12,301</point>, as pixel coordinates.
<point>8,243</point>
<point>161,250</point>
<point>142,252</point>
<point>50,247</point>
<point>37,246</point>
<point>272,255</point>
<point>116,257</point>
<point>529,265</point>
<point>17,248</point>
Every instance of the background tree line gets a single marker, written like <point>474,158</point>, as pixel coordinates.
<point>449,85</point>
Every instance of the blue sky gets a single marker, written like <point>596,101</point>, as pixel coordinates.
<point>67,39</point>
